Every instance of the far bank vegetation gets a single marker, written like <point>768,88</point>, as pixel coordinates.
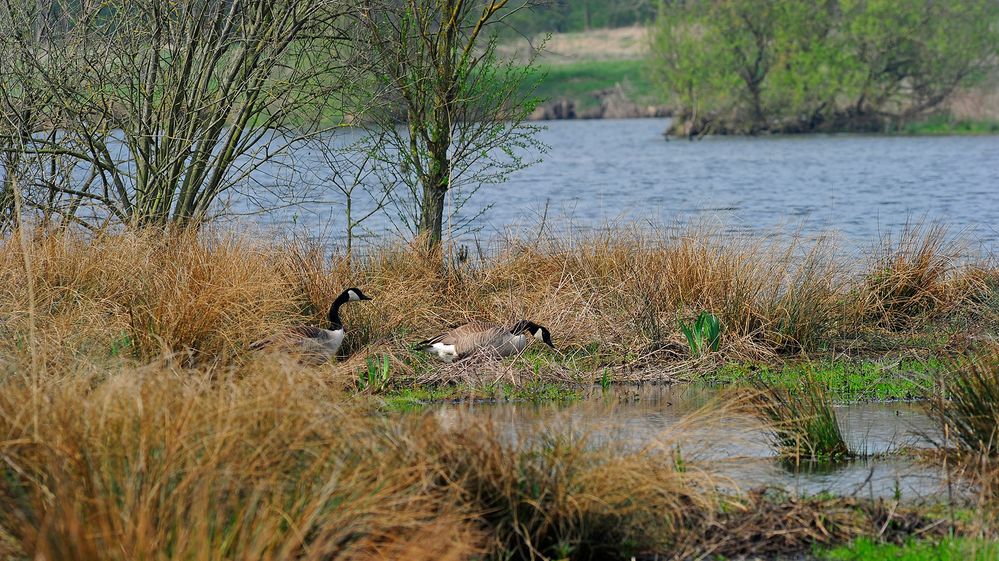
<point>755,66</point>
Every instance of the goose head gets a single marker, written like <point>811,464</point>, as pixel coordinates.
<point>539,332</point>
<point>354,294</point>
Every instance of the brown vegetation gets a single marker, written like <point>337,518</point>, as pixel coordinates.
<point>619,295</point>
<point>270,461</point>
<point>132,413</point>
<point>264,462</point>
<point>772,524</point>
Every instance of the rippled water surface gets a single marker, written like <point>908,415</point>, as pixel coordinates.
<point>607,171</point>
<point>731,444</point>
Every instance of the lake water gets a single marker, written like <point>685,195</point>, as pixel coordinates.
<point>732,445</point>
<point>603,172</point>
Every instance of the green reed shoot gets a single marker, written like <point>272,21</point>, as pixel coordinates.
<point>377,374</point>
<point>704,335</point>
<point>605,379</point>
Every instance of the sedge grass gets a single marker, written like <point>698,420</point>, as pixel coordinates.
<point>159,435</point>
<point>266,462</point>
<point>557,496</point>
<point>969,411</point>
<point>915,274</point>
<point>802,421</point>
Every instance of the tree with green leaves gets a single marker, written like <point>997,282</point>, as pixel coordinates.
<point>463,112</point>
<point>752,66</point>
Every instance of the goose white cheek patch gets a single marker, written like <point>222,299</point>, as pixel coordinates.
<point>442,349</point>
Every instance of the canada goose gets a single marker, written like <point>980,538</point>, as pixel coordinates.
<point>466,339</point>
<point>315,344</point>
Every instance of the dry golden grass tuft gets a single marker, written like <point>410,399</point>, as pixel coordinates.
<point>261,462</point>
<point>140,295</point>
<point>144,294</point>
<point>917,274</point>
<point>559,496</point>
<point>269,461</point>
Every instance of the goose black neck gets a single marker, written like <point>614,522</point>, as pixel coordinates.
<point>334,315</point>
<point>522,326</point>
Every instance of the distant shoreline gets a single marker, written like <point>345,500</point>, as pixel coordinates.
<point>603,74</point>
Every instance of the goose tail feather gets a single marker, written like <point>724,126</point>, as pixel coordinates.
<point>427,343</point>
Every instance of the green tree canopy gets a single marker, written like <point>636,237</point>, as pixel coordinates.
<point>751,66</point>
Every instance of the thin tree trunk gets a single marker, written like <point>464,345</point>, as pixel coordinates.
<point>432,213</point>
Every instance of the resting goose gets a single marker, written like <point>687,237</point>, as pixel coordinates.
<point>479,335</point>
<point>315,344</point>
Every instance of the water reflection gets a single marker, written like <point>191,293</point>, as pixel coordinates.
<point>694,421</point>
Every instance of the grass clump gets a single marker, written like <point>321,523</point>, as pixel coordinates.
<point>970,412</point>
<point>802,421</point>
<point>559,497</point>
<point>265,462</point>
<point>910,278</point>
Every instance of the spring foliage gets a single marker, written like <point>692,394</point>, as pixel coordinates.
<point>752,66</point>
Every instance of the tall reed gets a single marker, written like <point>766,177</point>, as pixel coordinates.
<point>969,410</point>
<point>802,420</point>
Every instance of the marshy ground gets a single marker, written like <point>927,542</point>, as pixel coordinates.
<point>136,423</point>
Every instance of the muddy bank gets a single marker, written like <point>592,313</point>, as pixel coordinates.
<point>610,103</point>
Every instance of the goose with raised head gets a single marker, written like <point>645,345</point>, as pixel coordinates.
<point>489,337</point>
<point>315,344</point>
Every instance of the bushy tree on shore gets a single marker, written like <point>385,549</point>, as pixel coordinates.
<point>153,110</point>
<point>464,110</point>
<point>752,66</point>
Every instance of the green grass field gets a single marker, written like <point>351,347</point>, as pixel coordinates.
<point>863,380</point>
<point>579,81</point>
<point>945,550</point>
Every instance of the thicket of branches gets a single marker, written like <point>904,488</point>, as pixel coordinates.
<point>751,66</point>
<point>143,112</point>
